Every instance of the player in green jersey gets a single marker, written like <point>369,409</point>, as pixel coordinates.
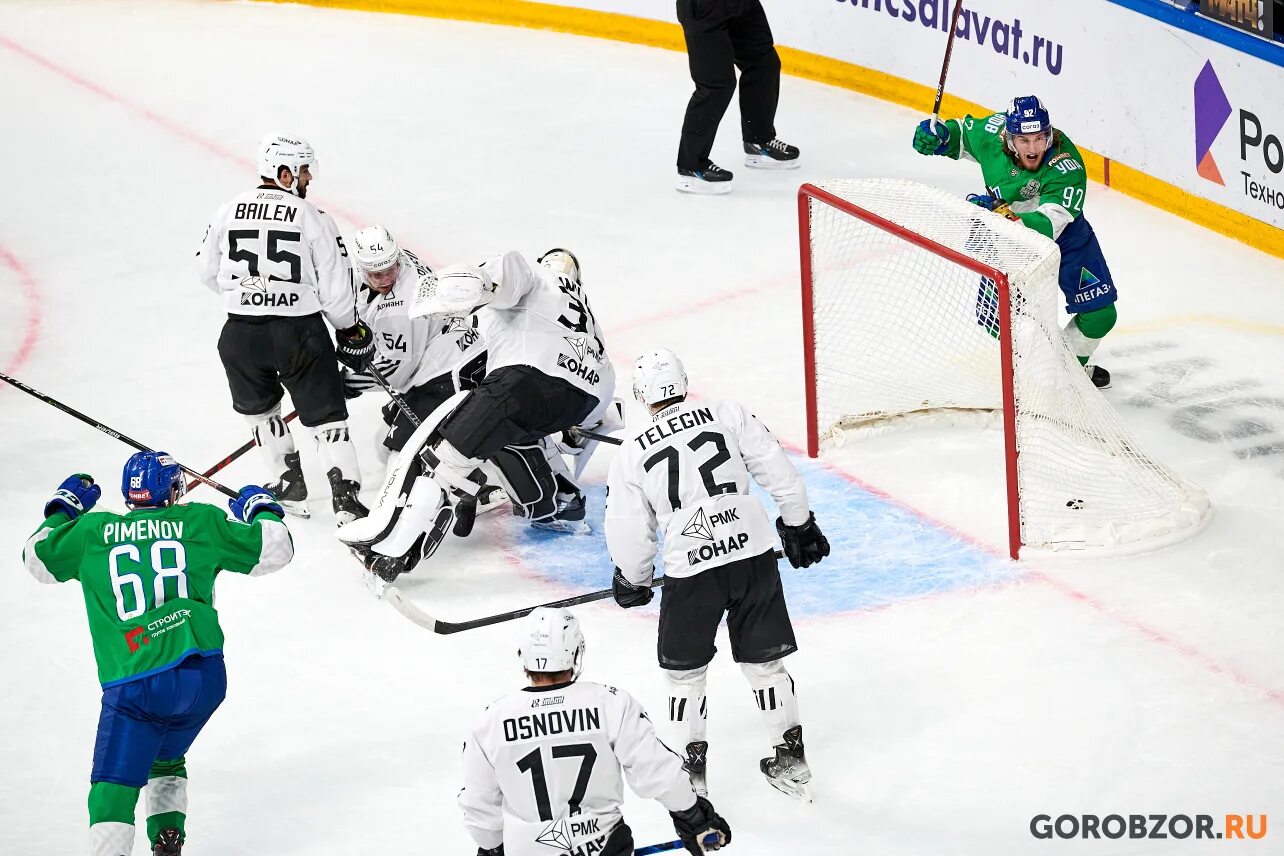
<point>148,581</point>
<point>1035,175</point>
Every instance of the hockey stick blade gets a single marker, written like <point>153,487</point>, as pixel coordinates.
<point>577,431</point>
<point>709,840</point>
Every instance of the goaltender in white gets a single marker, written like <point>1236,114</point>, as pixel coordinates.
<point>542,770</point>
<point>687,471</point>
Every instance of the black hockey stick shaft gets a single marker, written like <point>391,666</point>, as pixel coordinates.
<point>393,394</point>
<point>436,625</point>
<point>129,441</point>
<point>593,435</point>
<point>945,64</point>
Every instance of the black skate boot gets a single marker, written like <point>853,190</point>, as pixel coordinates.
<point>709,178</point>
<point>290,490</point>
<point>347,507</point>
<point>788,771</point>
<point>772,154</point>
<point>569,516</point>
<point>169,842</point>
<point>1100,377</point>
<point>696,766</point>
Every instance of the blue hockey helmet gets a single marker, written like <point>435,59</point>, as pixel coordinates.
<point>1027,115</point>
<point>150,478</point>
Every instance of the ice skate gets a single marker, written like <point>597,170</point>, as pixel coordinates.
<point>1100,377</point>
<point>709,179</point>
<point>169,842</point>
<point>569,517</point>
<point>290,489</point>
<point>347,505</point>
<point>788,771</point>
<point>773,154</point>
<point>696,766</point>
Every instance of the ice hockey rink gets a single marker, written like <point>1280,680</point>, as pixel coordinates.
<point>948,695</point>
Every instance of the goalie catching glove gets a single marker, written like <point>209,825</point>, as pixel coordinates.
<point>701,828</point>
<point>629,595</point>
<point>805,545</point>
<point>355,346</point>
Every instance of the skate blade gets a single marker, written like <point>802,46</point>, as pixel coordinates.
<point>567,527</point>
<point>791,788</point>
<point>764,162</point>
<point>691,184</point>
<point>376,584</point>
<point>296,508</point>
<point>499,499</point>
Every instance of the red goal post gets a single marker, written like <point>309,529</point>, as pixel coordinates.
<point>920,308</point>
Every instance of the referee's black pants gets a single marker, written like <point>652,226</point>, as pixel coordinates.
<point>721,36</point>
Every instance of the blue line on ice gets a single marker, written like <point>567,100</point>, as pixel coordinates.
<point>881,554</point>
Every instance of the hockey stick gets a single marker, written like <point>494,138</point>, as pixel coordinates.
<point>293,414</point>
<point>577,431</point>
<point>945,65</point>
<point>410,610</point>
<point>709,840</point>
<point>393,394</point>
<point>109,432</point>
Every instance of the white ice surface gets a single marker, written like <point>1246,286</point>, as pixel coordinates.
<point>936,724</point>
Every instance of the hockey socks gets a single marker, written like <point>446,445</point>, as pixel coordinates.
<point>1085,331</point>
<point>274,439</point>
<point>166,797</point>
<point>773,692</point>
<point>111,818</point>
<point>688,709</point>
<point>334,444</point>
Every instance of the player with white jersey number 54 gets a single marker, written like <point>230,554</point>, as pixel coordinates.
<point>544,770</point>
<point>280,265</point>
<point>687,471</point>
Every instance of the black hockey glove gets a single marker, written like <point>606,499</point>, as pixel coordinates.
<point>355,346</point>
<point>627,594</point>
<point>494,851</point>
<point>804,545</point>
<point>699,825</point>
<point>355,383</point>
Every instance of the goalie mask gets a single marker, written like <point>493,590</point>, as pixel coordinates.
<point>293,153</point>
<point>552,642</point>
<point>658,375</point>
<point>452,291</point>
<point>377,255</point>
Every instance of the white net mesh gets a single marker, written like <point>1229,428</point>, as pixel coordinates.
<point>904,334</point>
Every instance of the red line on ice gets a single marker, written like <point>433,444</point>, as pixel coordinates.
<point>35,317</point>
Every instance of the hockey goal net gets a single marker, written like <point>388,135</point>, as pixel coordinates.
<point>919,307</point>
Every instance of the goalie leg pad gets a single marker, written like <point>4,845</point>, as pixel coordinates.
<point>529,479</point>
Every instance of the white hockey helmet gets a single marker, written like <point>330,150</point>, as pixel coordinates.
<point>658,375</point>
<point>374,249</point>
<point>452,291</point>
<point>293,153</point>
<point>552,642</point>
<point>561,262</point>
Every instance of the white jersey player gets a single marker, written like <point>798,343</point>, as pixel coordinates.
<point>544,770</point>
<point>426,359</point>
<point>547,372</point>
<point>280,266</point>
<point>687,471</point>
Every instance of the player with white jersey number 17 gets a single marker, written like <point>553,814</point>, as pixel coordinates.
<point>687,471</point>
<point>544,769</point>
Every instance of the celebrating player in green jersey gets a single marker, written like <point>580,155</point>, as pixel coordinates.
<point>148,581</point>
<point>1035,175</point>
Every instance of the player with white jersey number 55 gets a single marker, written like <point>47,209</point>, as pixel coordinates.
<point>280,265</point>
<point>544,770</point>
<point>687,471</point>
